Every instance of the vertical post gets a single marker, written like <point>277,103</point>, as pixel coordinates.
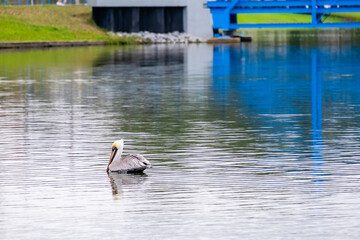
<point>19,2</point>
<point>5,2</point>
<point>313,12</point>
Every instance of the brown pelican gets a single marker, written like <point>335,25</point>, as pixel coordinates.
<point>131,163</point>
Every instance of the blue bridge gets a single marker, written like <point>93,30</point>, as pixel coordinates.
<point>224,12</point>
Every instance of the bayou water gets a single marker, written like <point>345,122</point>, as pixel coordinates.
<point>252,141</point>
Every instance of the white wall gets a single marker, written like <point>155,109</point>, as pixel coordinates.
<point>199,21</point>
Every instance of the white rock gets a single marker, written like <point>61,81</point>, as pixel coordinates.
<point>168,38</point>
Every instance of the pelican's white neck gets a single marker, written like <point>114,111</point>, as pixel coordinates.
<point>120,150</point>
<point>120,147</point>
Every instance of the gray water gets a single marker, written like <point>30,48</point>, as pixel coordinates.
<point>250,141</point>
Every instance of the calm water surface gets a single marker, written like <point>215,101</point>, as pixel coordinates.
<point>251,141</point>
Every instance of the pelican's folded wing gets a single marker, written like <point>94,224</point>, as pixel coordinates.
<point>130,163</point>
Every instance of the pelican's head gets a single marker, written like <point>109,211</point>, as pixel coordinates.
<point>116,150</point>
<point>119,144</point>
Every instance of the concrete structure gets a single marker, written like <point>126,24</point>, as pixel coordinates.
<point>161,16</point>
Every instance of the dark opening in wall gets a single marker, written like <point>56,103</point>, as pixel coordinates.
<point>174,19</point>
<point>135,19</point>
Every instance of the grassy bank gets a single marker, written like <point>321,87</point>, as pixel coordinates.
<point>51,23</point>
<point>348,16</point>
<point>286,18</point>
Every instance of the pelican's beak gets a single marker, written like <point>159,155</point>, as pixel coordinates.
<point>113,152</point>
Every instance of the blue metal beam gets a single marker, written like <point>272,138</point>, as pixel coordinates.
<point>296,25</point>
<point>313,12</point>
<point>223,4</point>
<point>339,10</point>
<point>232,4</point>
<point>296,10</point>
<point>285,3</point>
<point>270,10</point>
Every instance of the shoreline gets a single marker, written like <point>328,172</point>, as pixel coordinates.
<point>50,44</point>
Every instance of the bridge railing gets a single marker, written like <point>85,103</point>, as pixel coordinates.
<point>223,12</point>
<point>279,3</point>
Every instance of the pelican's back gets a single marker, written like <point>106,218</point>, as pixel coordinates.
<point>130,163</point>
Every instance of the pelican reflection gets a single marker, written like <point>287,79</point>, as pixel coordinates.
<point>118,181</point>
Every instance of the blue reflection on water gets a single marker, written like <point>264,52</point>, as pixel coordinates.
<point>289,94</point>
<point>316,113</point>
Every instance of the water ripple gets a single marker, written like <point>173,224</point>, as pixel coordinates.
<point>236,150</point>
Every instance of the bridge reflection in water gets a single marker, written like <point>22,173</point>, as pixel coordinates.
<point>316,116</point>
<point>275,89</point>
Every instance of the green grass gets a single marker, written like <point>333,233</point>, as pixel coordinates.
<point>348,16</point>
<point>52,23</point>
<point>14,30</point>
<point>282,18</point>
